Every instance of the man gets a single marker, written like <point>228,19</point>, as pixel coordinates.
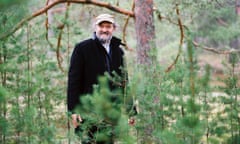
<point>92,58</point>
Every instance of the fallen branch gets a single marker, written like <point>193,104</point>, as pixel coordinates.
<point>47,7</point>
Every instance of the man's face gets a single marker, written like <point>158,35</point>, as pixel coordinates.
<point>104,31</point>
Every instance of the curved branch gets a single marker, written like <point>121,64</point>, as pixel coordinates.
<point>181,40</point>
<point>47,26</point>
<point>47,7</point>
<point>124,34</point>
<point>47,21</point>
<point>59,57</point>
<point>58,54</point>
<point>125,29</point>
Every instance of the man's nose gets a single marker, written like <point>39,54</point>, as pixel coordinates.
<point>104,29</point>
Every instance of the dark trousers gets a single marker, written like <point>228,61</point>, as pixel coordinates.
<point>89,135</point>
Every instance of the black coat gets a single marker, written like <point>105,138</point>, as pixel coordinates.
<point>90,60</point>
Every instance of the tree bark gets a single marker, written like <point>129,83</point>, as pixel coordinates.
<point>238,7</point>
<point>145,31</point>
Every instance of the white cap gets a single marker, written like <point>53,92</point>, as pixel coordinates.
<point>104,17</point>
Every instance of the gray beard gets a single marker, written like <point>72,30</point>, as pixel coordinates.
<point>103,41</point>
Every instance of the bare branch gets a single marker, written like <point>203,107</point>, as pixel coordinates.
<point>215,50</point>
<point>161,17</point>
<point>47,26</point>
<point>181,40</point>
<point>125,28</point>
<point>124,34</point>
<point>58,54</point>
<point>47,7</point>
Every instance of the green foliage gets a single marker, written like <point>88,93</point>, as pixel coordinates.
<point>29,76</point>
<point>4,125</point>
<point>104,108</point>
<point>11,14</point>
<point>179,107</point>
<point>219,24</point>
<point>7,3</point>
<point>3,95</point>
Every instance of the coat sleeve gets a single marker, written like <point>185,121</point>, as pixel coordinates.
<point>75,79</point>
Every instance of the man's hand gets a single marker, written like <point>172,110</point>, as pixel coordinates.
<point>76,118</point>
<point>131,121</point>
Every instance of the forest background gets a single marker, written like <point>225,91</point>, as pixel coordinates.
<point>184,80</point>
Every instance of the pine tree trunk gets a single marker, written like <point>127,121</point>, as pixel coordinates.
<point>238,7</point>
<point>145,31</point>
